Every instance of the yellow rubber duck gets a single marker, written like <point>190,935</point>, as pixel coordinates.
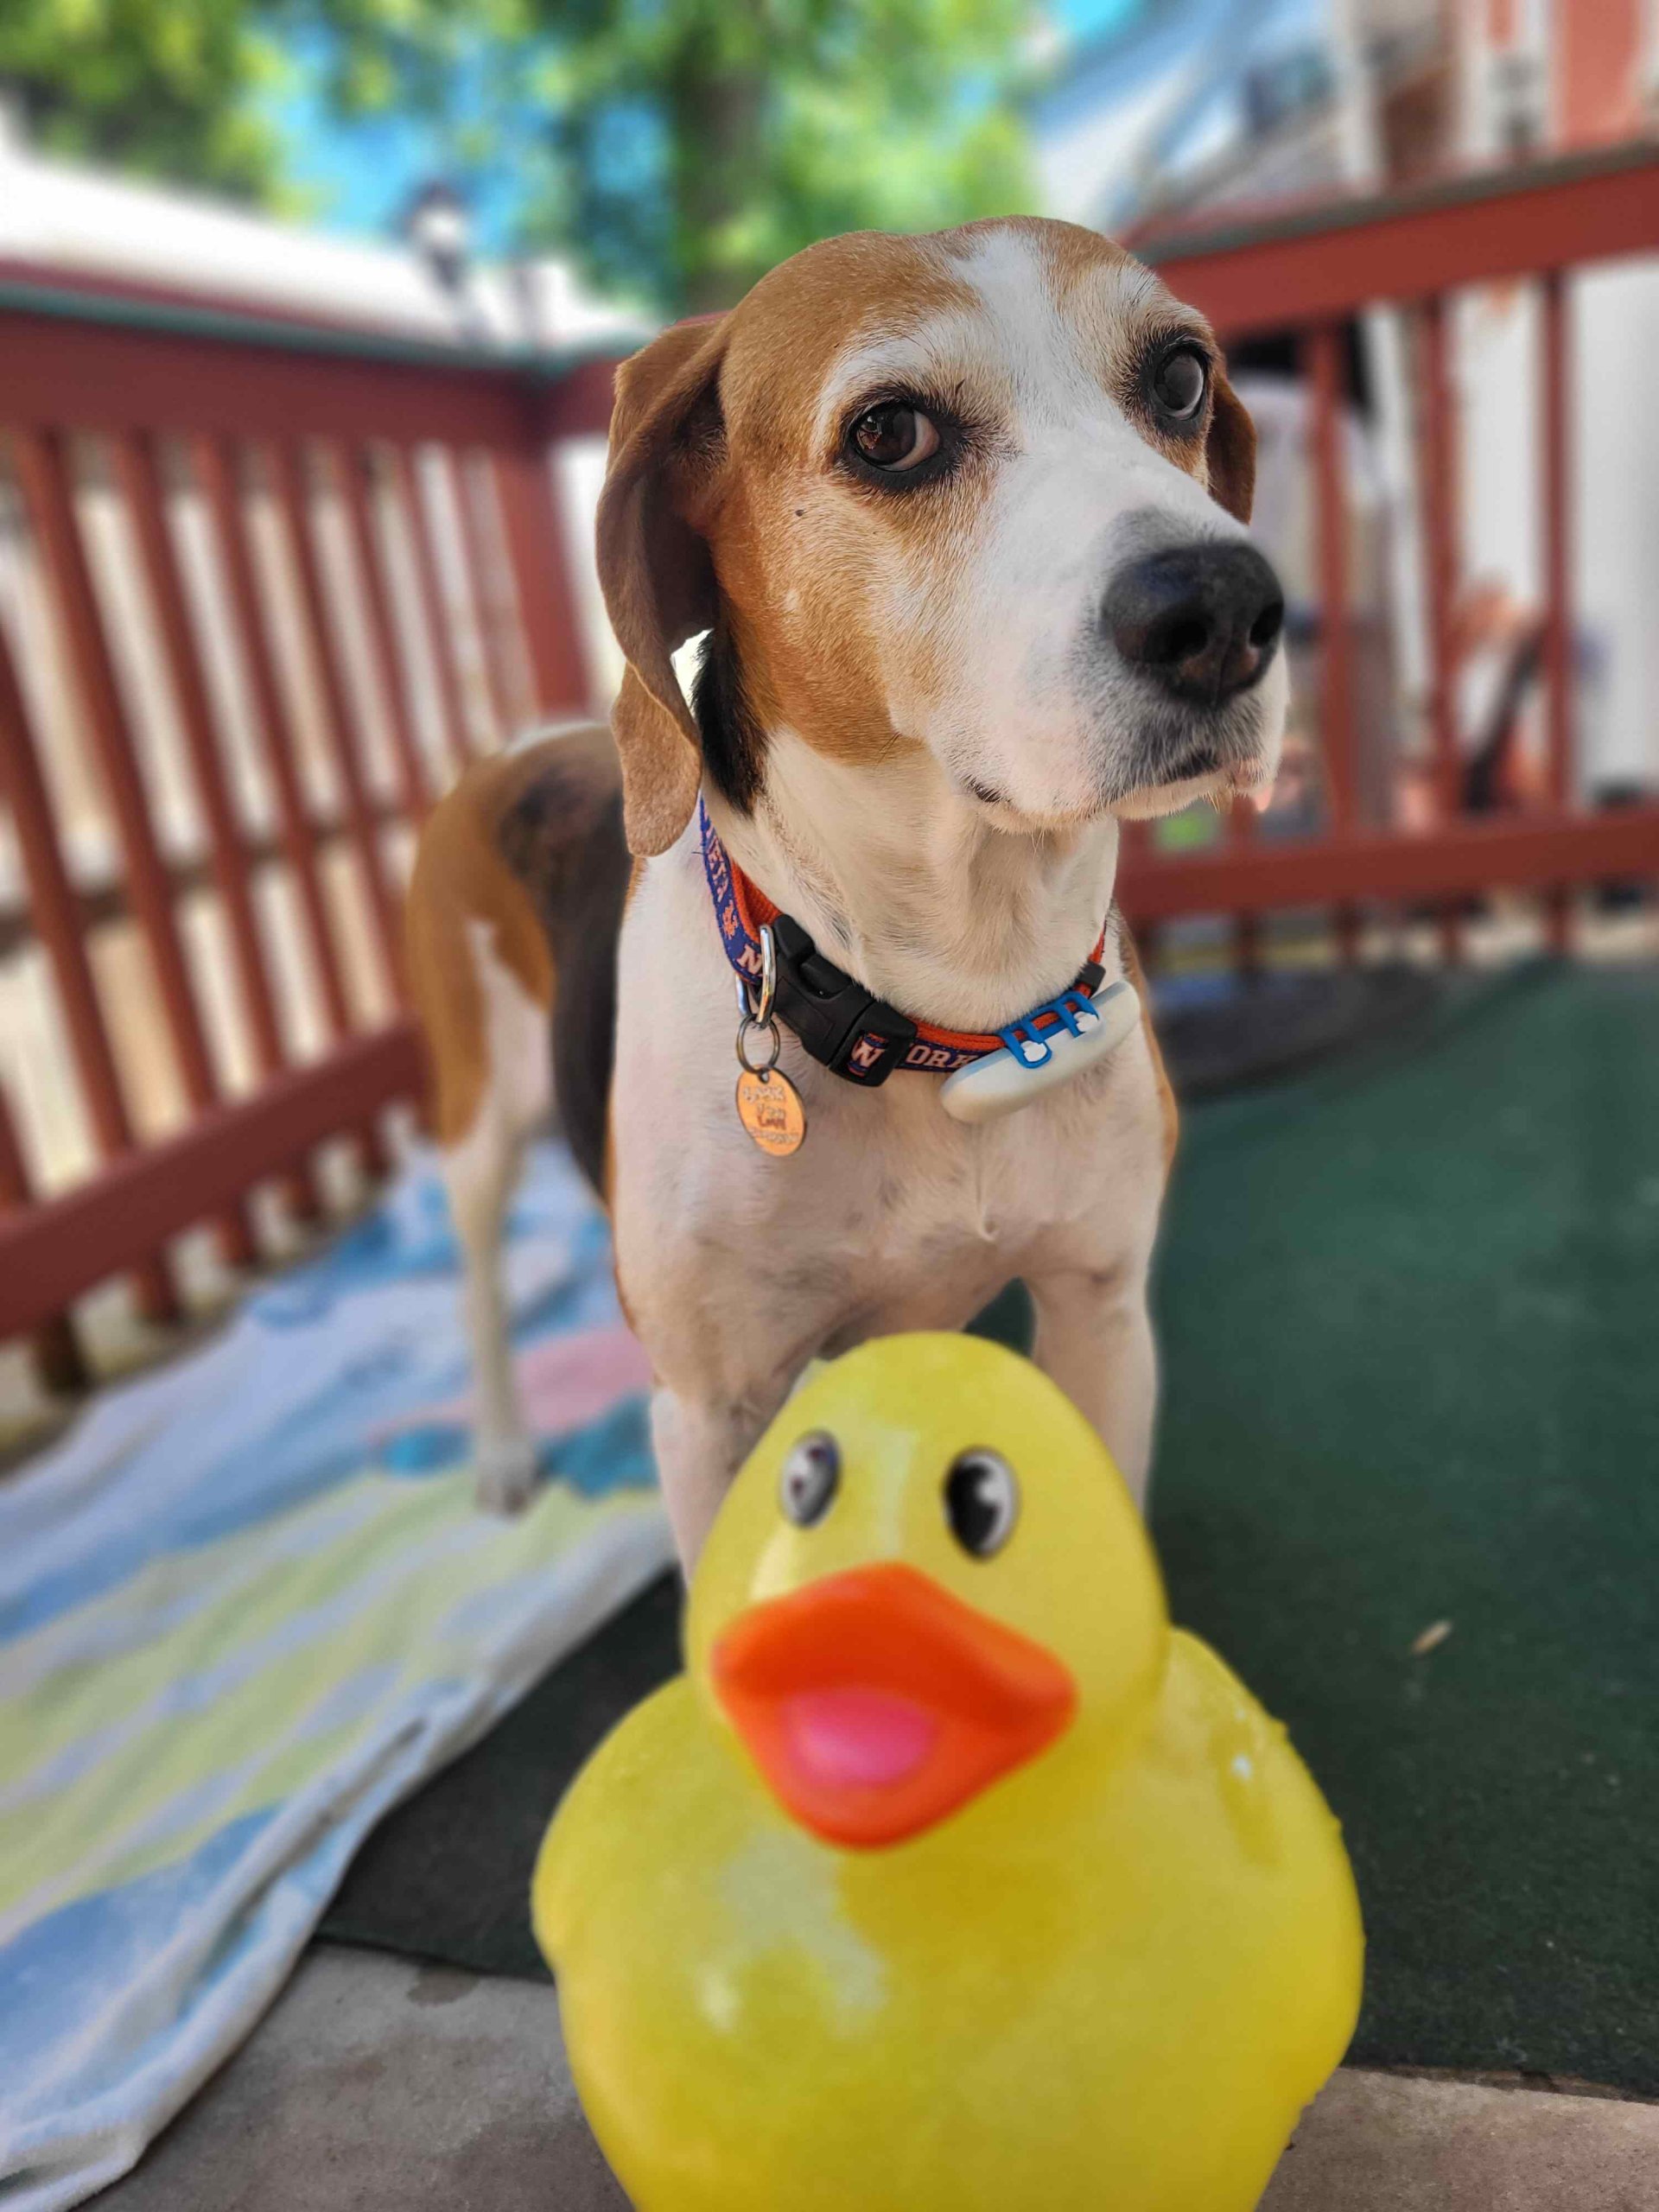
<point>949,1877</point>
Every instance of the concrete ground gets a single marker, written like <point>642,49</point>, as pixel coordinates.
<point>379,2083</point>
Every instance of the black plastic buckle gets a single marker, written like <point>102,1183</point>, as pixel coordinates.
<point>840,1024</point>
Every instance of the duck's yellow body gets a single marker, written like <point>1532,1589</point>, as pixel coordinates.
<point>1107,1979</point>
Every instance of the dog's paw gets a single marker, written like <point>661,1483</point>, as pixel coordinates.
<point>507,1473</point>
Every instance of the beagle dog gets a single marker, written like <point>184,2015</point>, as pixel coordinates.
<point>961,519</point>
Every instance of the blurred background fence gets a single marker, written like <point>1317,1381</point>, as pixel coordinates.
<point>263,589</point>
<point>1378,820</point>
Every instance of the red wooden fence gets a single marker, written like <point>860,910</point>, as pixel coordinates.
<point>1310,273</point>
<point>230,410</point>
<point>173,404</point>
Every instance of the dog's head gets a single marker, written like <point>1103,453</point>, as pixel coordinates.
<point>982,494</point>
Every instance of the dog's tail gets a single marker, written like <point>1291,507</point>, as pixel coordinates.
<point>514,904</point>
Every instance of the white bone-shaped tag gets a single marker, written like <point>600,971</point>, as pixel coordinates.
<point>1006,1080</point>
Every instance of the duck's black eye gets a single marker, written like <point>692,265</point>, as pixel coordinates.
<point>895,437</point>
<point>811,1477</point>
<point>981,1501</point>
<point>1178,383</point>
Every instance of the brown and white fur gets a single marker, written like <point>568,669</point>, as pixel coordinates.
<point>914,732</point>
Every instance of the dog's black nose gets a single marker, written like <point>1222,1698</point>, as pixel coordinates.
<point>1201,619</point>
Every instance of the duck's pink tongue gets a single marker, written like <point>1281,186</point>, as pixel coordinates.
<point>858,1739</point>
<point>875,1702</point>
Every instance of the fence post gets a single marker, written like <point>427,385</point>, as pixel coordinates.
<point>495,645</point>
<point>441,636</point>
<point>357,483</point>
<point>56,909</point>
<point>59,1360</point>
<point>1440,576</point>
<point>1558,575</point>
<point>1323,361</point>
<point>289,478</point>
<point>541,573</point>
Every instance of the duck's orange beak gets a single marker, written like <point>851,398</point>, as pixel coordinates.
<point>876,1703</point>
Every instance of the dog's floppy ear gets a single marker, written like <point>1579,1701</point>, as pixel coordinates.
<point>1229,450</point>
<point>655,570</point>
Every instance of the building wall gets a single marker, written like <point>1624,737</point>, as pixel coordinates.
<point>59,216</point>
<point>1599,70</point>
<point>1561,75</point>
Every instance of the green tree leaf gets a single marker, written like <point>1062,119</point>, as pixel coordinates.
<point>675,150</point>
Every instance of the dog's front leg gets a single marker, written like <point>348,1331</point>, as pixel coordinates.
<point>1094,1339</point>
<point>700,1445</point>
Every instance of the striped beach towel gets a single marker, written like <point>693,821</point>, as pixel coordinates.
<point>246,1606</point>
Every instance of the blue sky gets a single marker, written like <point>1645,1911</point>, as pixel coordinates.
<point>359,179</point>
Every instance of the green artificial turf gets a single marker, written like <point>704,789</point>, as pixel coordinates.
<point>1409,1312</point>
<point>1409,1309</point>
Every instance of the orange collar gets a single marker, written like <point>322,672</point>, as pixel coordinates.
<point>840,1024</point>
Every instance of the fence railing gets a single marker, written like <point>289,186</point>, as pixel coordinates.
<point>345,559</point>
<point>348,560</point>
<point>1308,276</point>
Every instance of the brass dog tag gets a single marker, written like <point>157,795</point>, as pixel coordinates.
<point>768,1105</point>
<point>770,1108</point>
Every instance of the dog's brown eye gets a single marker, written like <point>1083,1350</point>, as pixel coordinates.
<point>894,436</point>
<point>1178,383</point>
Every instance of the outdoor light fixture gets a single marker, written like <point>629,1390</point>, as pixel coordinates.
<point>438,227</point>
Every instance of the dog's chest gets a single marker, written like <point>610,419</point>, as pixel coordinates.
<point>891,1176</point>
<point>889,1205</point>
